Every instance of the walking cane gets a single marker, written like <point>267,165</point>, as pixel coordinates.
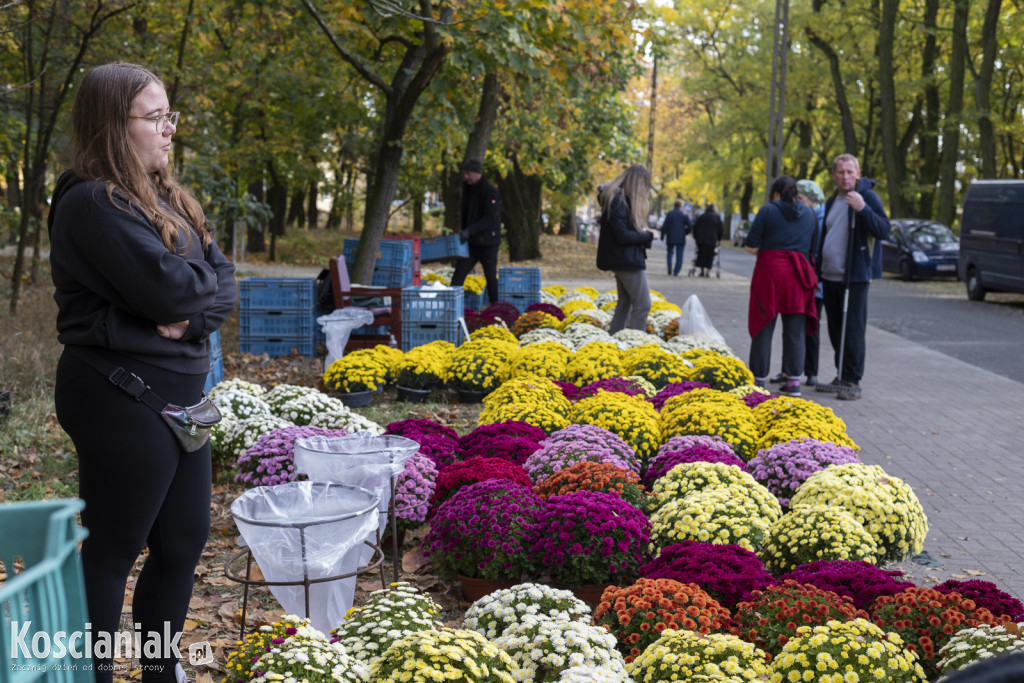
<point>846,304</point>
<point>846,292</point>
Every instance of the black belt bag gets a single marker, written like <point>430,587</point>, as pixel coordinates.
<point>190,425</point>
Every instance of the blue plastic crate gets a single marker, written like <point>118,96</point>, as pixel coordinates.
<point>477,302</point>
<point>392,277</point>
<point>278,346</point>
<point>390,254</point>
<point>514,280</point>
<point>444,247</point>
<point>277,294</point>
<point>370,331</point>
<point>426,304</point>
<point>521,301</point>
<point>287,323</point>
<point>418,334</point>
<point>216,375</point>
<point>48,592</point>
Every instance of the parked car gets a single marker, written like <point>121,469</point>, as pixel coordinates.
<point>739,233</point>
<point>919,248</point>
<point>992,238</point>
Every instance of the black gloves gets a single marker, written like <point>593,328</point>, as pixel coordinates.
<point>650,238</point>
<point>464,236</point>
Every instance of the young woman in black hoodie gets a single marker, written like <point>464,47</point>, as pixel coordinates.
<point>140,283</point>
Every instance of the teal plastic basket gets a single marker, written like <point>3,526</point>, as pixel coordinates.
<point>44,586</point>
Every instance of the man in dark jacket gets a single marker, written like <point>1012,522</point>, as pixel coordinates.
<point>481,227</point>
<point>849,255</point>
<point>673,232</point>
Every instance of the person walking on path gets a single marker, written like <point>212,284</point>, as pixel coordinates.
<point>673,232</point>
<point>783,236</point>
<point>622,244</point>
<point>481,227</point>
<point>850,254</point>
<point>140,286</point>
<point>808,192</point>
<point>707,234</point>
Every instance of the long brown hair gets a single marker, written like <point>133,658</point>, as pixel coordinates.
<point>634,183</point>
<point>101,152</point>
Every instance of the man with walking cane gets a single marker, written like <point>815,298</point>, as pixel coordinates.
<point>850,255</point>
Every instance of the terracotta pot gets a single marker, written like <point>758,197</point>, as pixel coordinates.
<point>473,589</point>
<point>410,395</point>
<point>589,593</point>
<point>356,399</point>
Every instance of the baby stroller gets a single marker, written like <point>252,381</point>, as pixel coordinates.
<point>716,264</point>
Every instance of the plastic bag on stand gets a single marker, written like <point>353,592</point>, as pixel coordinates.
<point>694,320</point>
<point>362,459</point>
<point>337,326</point>
<point>308,529</point>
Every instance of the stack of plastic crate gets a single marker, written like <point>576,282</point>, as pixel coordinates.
<point>216,375</point>
<point>444,248</point>
<point>277,315</point>
<point>519,286</point>
<point>43,596</point>
<point>431,314</point>
<point>395,265</point>
<point>477,302</point>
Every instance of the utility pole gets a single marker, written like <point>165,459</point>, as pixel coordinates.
<point>773,166</point>
<point>654,106</point>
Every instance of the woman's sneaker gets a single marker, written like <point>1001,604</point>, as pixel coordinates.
<point>790,388</point>
<point>778,379</point>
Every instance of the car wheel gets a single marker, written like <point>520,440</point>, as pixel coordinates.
<point>905,271</point>
<point>975,292</point>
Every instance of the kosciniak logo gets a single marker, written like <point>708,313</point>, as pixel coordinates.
<point>27,643</point>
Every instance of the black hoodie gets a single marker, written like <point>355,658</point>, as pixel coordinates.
<point>115,280</point>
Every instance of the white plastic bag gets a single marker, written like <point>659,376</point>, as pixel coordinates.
<point>313,530</point>
<point>694,320</point>
<point>338,326</point>
<point>362,459</point>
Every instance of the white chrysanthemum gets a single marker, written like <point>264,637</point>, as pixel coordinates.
<point>573,296</point>
<point>546,334</point>
<point>348,420</point>
<point>558,644</point>
<point>492,614</point>
<point>241,404</point>
<point>237,384</point>
<point>387,616</point>
<point>631,339</point>
<point>302,409</point>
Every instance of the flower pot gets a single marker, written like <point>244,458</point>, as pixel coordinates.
<point>471,396</point>
<point>356,399</point>
<point>589,593</point>
<point>410,395</point>
<point>473,589</point>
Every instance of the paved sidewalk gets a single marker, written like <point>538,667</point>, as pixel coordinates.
<point>952,431</point>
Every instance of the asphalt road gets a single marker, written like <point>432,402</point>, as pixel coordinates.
<point>935,314</point>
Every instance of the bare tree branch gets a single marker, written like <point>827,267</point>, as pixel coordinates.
<point>345,54</point>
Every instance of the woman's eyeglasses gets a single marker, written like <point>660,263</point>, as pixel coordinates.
<point>161,120</point>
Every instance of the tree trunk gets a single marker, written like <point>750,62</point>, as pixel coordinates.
<point>476,148</point>
<point>297,209</point>
<point>951,128</point>
<point>521,213</point>
<point>748,194</point>
<point>312,212</point>
<point>845,116</point>
<point>569,223</point>
<point>982,88</point>
<point>256,234</point>
<point>894,171</point>
<point>929,174</point>
<point>417,213</point>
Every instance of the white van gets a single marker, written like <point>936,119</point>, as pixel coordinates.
<point>992,238</point>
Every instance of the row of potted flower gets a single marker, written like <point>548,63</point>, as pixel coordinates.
<point>650,630</point>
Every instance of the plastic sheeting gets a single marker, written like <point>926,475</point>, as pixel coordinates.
<point>695,321</point>
<point>362,459</point>
<point>308,529</point>
<point>337,326</point>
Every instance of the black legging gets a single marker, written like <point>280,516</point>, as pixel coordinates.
<point>140,489</point>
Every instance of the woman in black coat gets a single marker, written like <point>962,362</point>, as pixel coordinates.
<point>622,244</point>
<point>707,234</point>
